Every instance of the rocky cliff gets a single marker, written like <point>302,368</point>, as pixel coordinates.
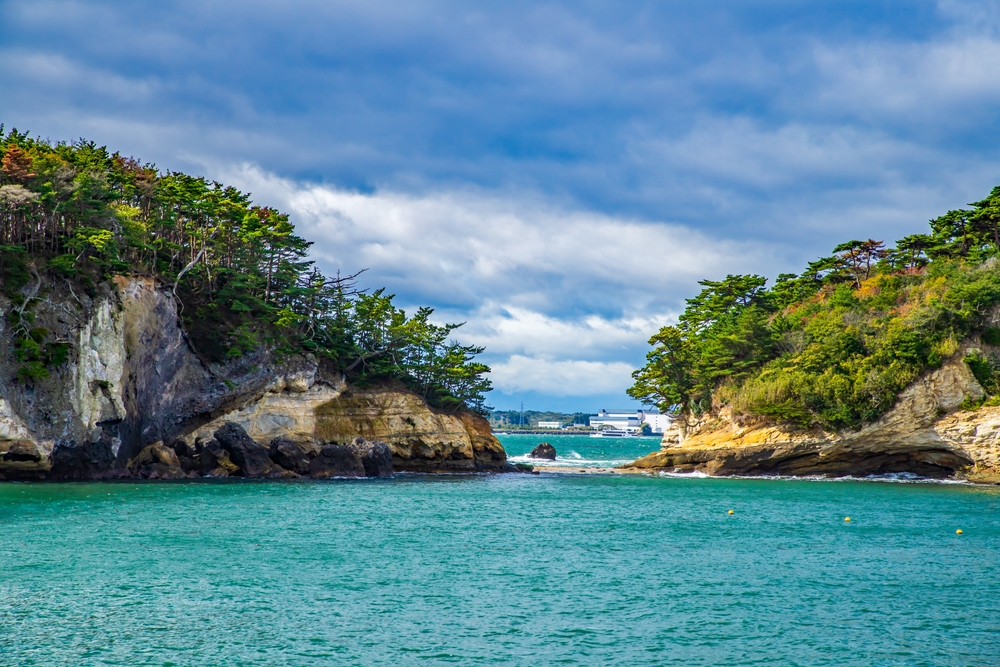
<point>925,433</point>
<point>132,382</point>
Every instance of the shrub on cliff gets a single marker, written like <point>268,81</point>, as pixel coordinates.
<point>239,272</point>
<point>834,346</point>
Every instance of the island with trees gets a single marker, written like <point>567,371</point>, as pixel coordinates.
<point>896,346</point>
<point>82,228</point>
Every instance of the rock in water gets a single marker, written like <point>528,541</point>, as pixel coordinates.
<point>375,456</point>
<point>291,455</point>
<point>336,461</point>
<point>250,457</point>
<point>543,451</point>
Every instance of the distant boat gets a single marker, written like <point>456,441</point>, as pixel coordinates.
<point>615,433</point>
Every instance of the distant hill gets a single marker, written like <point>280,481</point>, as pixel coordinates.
<point>512,418</point>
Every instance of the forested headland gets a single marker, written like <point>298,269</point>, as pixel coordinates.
<point>76,212</point>
<point>834,346</point>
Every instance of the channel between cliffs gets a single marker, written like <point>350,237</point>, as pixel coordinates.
<point>133,393</point>
<point>926,433</point>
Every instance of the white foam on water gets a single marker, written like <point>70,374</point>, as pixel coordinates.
<point>891,477</point>
<point>562,462</point>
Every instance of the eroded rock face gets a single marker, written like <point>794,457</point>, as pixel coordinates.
<point>294,456</point>
<point>156,461</point>
<point>376,457</point>
<point>132,381</point>
<point>87,460</point>
<point>22,459</point>
<point>336,461</point>
<point>922,434</point>
<point>251,459</point>
<point>213,460</point>
<point>420,438</point>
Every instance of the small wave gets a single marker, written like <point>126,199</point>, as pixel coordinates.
<point>891,477</point>
<point>697,474</point>
<point>573,455</point>
<point>561,462</point>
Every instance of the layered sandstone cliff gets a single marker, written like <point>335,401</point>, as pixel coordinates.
<point>925,433</point>
<point>133,381</point>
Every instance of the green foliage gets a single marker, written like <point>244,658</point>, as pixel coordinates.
<point>13,270</point>
<point>986,370</point>
<point>239,272</point>
<point>835,346</point>
<point>38,355</point>
<point>990,336</point>
<point>31,371</point>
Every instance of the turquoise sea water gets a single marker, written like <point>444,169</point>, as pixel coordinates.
<point>579,451</point>
<point>508,570</point>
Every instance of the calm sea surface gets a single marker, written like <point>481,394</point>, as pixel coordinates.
<point>510,569</point>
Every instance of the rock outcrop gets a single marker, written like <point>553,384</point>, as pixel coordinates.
<point>292,455</point>
<point>336,461</point>
<point>132,381</point>
<point>419,438</point>
<point>543,451</point>
<point>925,433</point>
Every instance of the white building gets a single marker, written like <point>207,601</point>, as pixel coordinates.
<point>623,420</point>
<point>549,425</point>
<point>657,423</point>
<point>630,420</point>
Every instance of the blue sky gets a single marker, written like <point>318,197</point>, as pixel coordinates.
<point>557,175</point>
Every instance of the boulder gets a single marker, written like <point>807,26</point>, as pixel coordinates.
<point>543,451</point>
<point>156,461</point>
<point>186,454</point>
<point>213,460</point>
<point>250,457</point>
<point>291,455</point>
<point>182,448</point>
<point>376,457</point>
<point>337,461</point>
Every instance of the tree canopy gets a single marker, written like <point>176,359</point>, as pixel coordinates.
<point>834,346</point>
<point>242,277</point>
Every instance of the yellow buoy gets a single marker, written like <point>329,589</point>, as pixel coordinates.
<point>958,532</point>
<point>732,512</point>
<point>847,518</point>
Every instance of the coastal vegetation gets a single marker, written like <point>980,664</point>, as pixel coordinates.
<point>834,346</point>
<point>78,215</point>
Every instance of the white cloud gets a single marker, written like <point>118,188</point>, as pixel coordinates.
<point>511,330</point>
<point>563,300</point>
<point>561,378</point>
<point>913,81</point>
<point>464,249</point>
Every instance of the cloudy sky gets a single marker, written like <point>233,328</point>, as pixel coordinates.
<point>557,175</point>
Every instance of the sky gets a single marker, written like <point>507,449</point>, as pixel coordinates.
<point>556,175</point>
